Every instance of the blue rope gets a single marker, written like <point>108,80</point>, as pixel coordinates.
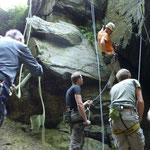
<point>140,53</point>
<point>106,83</point>
<point>99,73</point>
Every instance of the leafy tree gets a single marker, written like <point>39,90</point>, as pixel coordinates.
<point>12,19</point>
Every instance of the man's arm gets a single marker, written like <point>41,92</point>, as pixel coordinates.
<point>88,102</point>
<point>81,110</point>
<point>102,42</point>
<point>140,106</point>
<point>27,58</point>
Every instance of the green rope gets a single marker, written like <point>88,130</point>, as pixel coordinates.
<point>37,121</point>
<point>28,38</point>
<point>19,89</point>
<point>43,106</point>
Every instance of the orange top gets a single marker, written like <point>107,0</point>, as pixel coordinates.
<point>108,44</point>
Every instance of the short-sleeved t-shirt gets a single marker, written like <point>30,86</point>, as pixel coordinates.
<point>124,92</point>
<point>108,44</point>
<point>70,96</point>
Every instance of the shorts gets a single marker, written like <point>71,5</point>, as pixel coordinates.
<point>136,140</point>
<point>77,135</point>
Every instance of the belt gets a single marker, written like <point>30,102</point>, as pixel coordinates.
<point>127,110</point>
<point>71,109</point>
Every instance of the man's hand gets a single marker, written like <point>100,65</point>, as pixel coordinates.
<point>116,46</point>
<point>13,88</point>
<point>140,104</point>
<point>88,102</point>
<point>88,122</point>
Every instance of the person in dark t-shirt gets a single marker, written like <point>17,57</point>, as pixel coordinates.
<point>75,104</point>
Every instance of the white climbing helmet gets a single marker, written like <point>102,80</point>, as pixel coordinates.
<point>111,26</point>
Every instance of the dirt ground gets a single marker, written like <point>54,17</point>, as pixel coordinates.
<point>16,136</point>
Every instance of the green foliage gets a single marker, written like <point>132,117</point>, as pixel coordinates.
<point>113,148</point>
<point>87,31</point>
<point>12,19</point>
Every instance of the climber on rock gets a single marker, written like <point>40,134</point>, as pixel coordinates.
<point>108,51</point>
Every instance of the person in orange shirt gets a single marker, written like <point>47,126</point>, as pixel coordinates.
<point>108,51</point>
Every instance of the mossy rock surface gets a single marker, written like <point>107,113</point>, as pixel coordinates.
<point>17,136</point>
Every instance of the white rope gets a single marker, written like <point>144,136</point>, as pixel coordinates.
<point>144,22</point>
<point>21,69</point>
<point>99,73</point>
<point>40,92</point>
<point>19,89</point>
<point>29,75</point>
<point>140,49</point>
<point>24,81</point>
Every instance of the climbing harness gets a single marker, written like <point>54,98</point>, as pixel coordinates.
<point>128,131</point>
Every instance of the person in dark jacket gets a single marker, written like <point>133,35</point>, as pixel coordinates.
<point>13,53</point>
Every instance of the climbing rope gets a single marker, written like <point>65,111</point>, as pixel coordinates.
<point>43,106</point>
<point>28,37</point>
<point>106,83</point>
<point>140,49</point>
<point>22,83</point>
<point>99,73</point>
<point>140,53</point>
<point>144,22</point>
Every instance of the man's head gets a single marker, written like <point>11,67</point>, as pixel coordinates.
<point>123,74</point>
<point>76,78</point>
<point>15,34</point>
<point>110,27</point>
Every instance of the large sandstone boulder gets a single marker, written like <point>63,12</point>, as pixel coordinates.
<point>63,49</point>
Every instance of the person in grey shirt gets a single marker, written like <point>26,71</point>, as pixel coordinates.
<point>13,53</point>
<point>126,97</point>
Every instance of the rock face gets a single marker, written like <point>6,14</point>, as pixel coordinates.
<point>62,49</point>
<point>77,11</point>
<point>126,17</point>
